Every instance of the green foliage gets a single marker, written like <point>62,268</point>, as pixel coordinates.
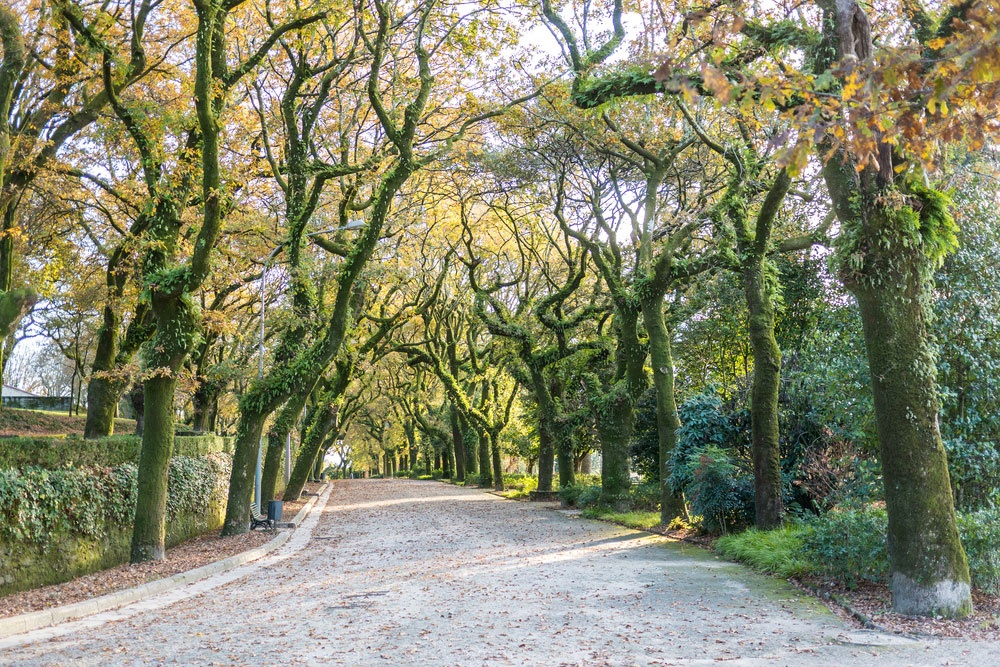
<point>719,491</point>
<point>980,531</point>
<point>974,468</point>
<point>580,496</point>
<point>37,503</point>
<point>644,449</point>
<point>645,497</point>
<point>703,424</point>
<point>638,519</point>
<point>54,452</point>
<point>849,545</point>
<point>777,551</point>
<point>518,485</point>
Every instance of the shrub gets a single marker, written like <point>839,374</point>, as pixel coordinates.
<point>849,545</point>
<point>833,471</point>
<point>702,424</point>
<point>636,519</point>
<point>645,497</point>
<point>590,496</point>
<point>569,495</point>
<point>778,551</point>
<point>36,503</point>
<point>980,532</point>
<point>975,472</point>
<point>55,453</point>
<point>719,491</point>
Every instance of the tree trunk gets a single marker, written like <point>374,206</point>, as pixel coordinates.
<point>614,429</point>
<point>494,439</point>
<point>891,236</point>
<point>458,443</point>
<point>103,395</point>
<point>485,474</point>
<point>205,403</point>
<point>241,480</point>
<point>667,421</point>
<point>546,450</point>
<point>149,531</point>
<point>137,398</point>
<point>929,573</point>
<point>766,449</point>
<point>324,421</point>
<point>271,468</point>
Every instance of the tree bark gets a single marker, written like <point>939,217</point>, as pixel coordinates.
<point>149,531</point>
<point>458,443</point>
<point>667,421</point>
<point>485,466</point>
<point>890,239</point>
<point>929,573</point>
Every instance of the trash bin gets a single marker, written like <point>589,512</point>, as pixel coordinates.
<point>274,510</point>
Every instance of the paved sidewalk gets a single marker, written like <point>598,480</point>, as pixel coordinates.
<point>421,573</point>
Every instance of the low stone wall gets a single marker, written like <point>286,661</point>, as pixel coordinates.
<point>57,525</point>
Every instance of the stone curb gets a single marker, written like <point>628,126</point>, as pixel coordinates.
<point>34,620</point>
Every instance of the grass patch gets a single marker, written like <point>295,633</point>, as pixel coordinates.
<point>638,519</point>
<point>17,422</point>
<point>776,551</point>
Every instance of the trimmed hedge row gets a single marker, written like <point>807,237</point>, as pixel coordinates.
<point>59,524</point>
<point>56,452</point>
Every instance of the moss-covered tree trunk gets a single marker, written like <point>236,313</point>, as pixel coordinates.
<point>458,443</point>
<point>410,431</point>
<point>149,531</point>
<point>471,442</point>
<point>324,420</point>
<point>894,230</point>
<point>485,466</point>
<point>103,391</point>
<point>546,431</point>
<point>765,447</point>
<point>616,412</point>
<point>614,428</point>
<point>759,294</point>
<point>667,421</point>
<point>494,439</point>
<point>929,573</point>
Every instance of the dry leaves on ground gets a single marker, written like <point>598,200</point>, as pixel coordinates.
<point>185,556</point>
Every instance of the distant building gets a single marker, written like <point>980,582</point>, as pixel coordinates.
<point>18,398</point>
<point>14,392</point>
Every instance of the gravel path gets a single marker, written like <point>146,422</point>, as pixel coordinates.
<point>421,573</point>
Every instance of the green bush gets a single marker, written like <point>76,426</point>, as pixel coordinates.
<point>56,452</point>
<point>849,545</point>
<point>36,502</point>
<point>719,491</point>
<point>590,496</point>
<point>645,497</point>
<point>777,551</point>
<point>518,485</point>
<point>980,532</point>
<point>975,472</point>
<point>640,520</point>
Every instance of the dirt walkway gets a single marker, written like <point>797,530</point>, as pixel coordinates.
<point>421,573</point>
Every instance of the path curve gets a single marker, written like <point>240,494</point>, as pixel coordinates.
<point>398,572</point>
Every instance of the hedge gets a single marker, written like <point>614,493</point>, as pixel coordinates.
<point>60,452</point>
<point>59,524</point>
